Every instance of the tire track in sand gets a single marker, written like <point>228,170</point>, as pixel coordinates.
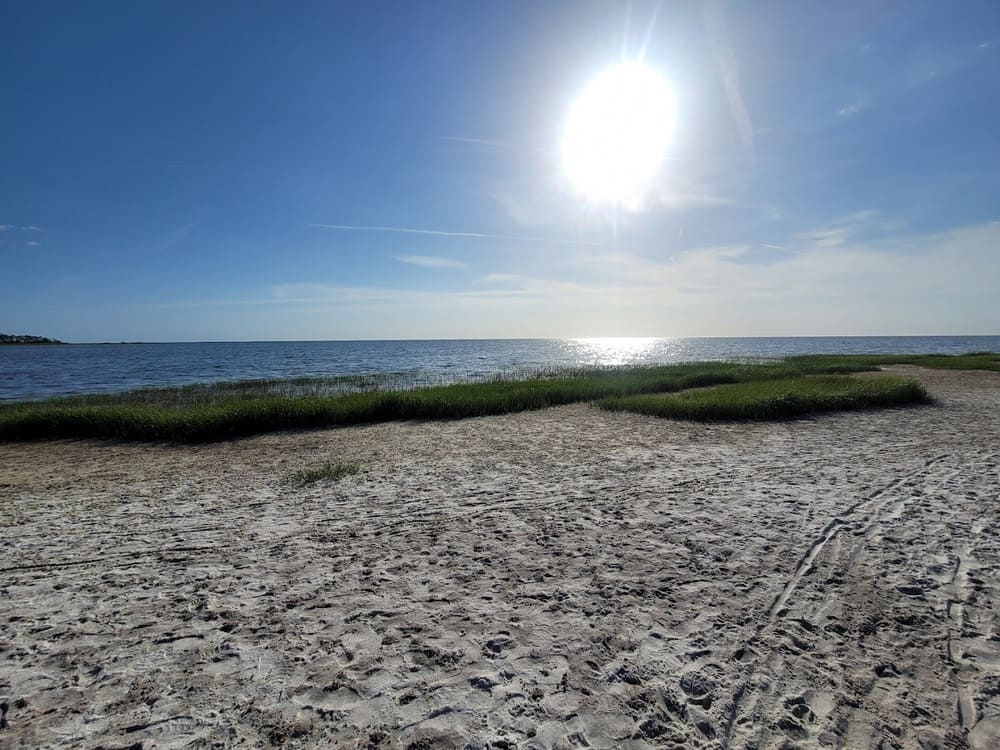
<point>804,567</point>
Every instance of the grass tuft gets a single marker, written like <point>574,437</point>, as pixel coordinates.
<point>330,471</point>
<point>776,399</point>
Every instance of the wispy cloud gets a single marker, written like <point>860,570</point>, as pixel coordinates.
<point>555,289</point>
<point>832,237</point>
<point>22,227</point>
<point>524,211</point>
<point>448,233</point>
<point>363,295</point>
<point>172,239</point>
<point>866,223</point>
<point>430,261</point>
<point>681,201</point>
<point>886,281</point>
<point>499,278</point>
<point>477,141</point>
<point>19,235</point>
<point>718,33</point>
<point>932,65</point>
<point>488,288</point>
<point>893,284</point>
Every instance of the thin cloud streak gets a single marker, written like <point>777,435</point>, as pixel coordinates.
<point>346,295</point>
<point>23,228</point>
<point>446,233</point>
<point>172,240</point>
<point>725,58</point>
<point>430,261</point>
<point>476,141</point>
<point>687,200</point>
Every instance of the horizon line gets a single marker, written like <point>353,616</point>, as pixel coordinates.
<point>521,338</point>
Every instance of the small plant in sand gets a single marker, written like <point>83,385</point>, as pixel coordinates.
<point>328,471</point>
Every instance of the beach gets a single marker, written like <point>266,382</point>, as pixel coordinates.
<point>561,578</point>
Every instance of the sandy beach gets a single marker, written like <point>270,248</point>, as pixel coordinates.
<point>554,579</point>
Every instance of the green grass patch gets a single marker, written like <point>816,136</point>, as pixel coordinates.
<point>857,362</point>
<point>776,399</point>
<point>221,417</point>
<point>202,394</point>
<point>221,411</point>
<point>328,471</point>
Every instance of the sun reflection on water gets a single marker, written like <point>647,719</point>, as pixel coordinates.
<point>621,351</point>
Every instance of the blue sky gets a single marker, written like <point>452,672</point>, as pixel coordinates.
<point>227,171</point>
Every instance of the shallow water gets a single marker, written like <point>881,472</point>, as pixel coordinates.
<point>41,371</point>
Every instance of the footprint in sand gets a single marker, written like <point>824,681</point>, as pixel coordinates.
<point>799,717</point>
<point>495,646</point>
<point>699,689</point>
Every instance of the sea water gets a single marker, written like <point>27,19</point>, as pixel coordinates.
<point>39,371</point>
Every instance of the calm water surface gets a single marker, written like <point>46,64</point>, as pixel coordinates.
<point>28,372</point>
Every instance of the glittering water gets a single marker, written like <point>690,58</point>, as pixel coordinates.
<point>39,371</point>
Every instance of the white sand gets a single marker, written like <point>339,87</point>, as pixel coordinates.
<point>565,578</point>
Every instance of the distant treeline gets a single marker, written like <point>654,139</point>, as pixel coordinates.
<point>13,338</point>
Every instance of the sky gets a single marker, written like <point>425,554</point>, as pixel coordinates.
<point>186,171</point>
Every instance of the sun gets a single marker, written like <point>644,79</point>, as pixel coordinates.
<point>617,133</point>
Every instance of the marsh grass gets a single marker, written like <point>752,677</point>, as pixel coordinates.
<point>776,399</point>
<point>236,415</point>
<point>221,411</point>
<point>328,471</point>
<point>201,394</point>
<point>857,362</point>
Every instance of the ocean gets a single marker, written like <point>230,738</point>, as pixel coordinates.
<point>41,371</point>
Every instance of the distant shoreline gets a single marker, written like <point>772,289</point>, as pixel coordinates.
<point>12,339</point>
<point>24,339</point>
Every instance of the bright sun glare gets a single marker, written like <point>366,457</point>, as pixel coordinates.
<point>617,133</point>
